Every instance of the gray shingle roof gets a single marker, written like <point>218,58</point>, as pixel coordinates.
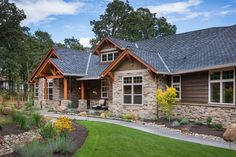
<point>168,54</point>
<point>193,50</point>
<point>71,61</point>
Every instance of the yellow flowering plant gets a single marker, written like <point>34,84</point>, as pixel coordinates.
<point>166,100</point>
<point>63,125</point>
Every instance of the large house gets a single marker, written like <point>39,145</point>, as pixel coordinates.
<point>199,64</point>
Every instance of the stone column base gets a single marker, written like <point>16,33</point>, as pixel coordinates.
<point>63,106</point>
<point>82,106</point>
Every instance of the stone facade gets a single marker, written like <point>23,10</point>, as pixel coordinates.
<point>223,115</point>
<point>148,109</point>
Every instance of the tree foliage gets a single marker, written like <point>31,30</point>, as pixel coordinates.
<point>71,43</point>
<point>166,100</point>
<point>121,20</point>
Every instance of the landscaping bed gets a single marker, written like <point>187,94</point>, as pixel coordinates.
<point>78,135</point>
<point>190,126</point>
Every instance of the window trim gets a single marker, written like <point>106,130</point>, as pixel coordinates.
<point>107,61</point>
<point>49,81</point>
<point>172,84</point>
<point>221,81</point>
<point>36,87</point>
<point>107,91</point>
<point>132,93</point>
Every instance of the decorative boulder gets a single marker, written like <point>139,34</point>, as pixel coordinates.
<point>62,108</point>
<point>6,110</point>
<point>83,114</point>
<point>230,133</point>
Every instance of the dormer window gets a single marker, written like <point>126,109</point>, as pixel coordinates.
<point>109,56</point>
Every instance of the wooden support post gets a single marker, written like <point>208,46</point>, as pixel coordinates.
<point>65,89</point>
<point>82,89</point>
<point>45,89</point>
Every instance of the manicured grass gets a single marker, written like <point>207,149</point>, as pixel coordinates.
<point>109,140</point>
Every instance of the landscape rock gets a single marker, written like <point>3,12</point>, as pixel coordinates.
<point>230,133</point>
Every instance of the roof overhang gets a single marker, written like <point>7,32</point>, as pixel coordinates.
<point>205,68</point>
<point>105,41</point>
<point>43,63</point>
<point>126,53</point>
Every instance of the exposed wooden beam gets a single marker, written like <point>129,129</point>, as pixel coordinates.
<point>82,89</point>
<point>65,89</point>
<point>54,77</point>
<point>45,89</point>
<point>130,59</point>
<point>110,74</point>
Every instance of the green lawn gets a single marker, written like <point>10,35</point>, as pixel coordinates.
<point>109,140</point>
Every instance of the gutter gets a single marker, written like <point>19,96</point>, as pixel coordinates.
<point>89,78</point>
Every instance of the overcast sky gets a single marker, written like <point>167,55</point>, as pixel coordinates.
<point>67,18</point>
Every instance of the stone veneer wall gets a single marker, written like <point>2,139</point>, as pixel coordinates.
<point>148,109</point>
<point>219,114</point>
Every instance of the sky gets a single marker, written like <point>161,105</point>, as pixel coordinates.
<point>66,18</point>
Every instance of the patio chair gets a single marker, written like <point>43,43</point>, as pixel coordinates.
<point>101,105</point>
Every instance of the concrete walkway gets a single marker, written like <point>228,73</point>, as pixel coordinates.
<point>153,130</point>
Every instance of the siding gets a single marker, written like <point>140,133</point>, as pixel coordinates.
<point>127,65</point>
<point>194,88</point>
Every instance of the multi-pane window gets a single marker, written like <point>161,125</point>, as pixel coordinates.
<point>108,57</point>
<point>50,89</point>
<point>176,83</point>
<point>36,89</point>
<point>104,89</point>
<point>132,90</point>
<point>221,87</point>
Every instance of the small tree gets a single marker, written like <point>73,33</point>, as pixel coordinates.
<point>166,100</point>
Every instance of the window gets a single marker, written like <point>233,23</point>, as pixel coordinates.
<point>50,89</point>
<point>221,87</point>
<point>104,89</point>
<point>132,90</point>
<point>36,89</point>
<point>108,57</point>
<point>176,83</point>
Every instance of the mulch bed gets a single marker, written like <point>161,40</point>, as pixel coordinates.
<point>78,135</point>
<point>199,129</point>
<point>8,129</point>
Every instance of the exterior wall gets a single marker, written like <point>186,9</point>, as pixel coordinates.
<point>148,109</point>
<point>194,101</point>
<point>223,115</point>
<point>194,88</point>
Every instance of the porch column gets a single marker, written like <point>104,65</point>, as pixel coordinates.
<point>82,89</point>
<point>45,89</point>
<point>65,89</point>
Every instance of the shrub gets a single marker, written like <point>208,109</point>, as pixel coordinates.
<point>105,114</point>
<point>209,120</point>
<point>184,121</point>
<point>126,117</point>
<point>36,120</point>
<point>6,110</point>
<point>166,100</point>
<point>175,123</point>
<point>63,125</point>
<point>216,126</point>
<point>62,144</point>
<point>20,119</point>
<point>48,131</point>
<point>34,149</point>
